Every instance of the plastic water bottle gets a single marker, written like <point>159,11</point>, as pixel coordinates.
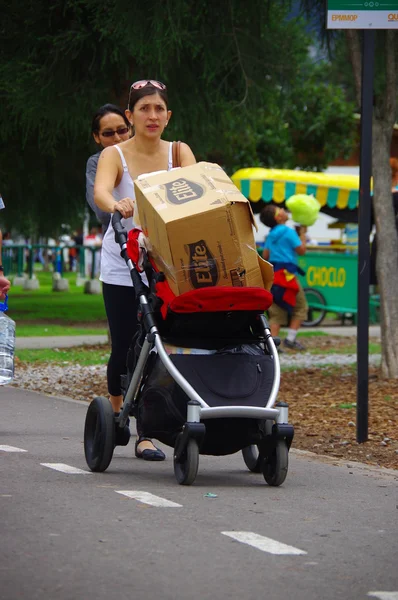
<point>7,345</point>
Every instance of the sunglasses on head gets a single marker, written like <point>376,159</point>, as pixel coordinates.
<point>120,131</point>
<point>138,85</point>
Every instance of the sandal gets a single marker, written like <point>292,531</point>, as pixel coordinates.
<point>148,454</point>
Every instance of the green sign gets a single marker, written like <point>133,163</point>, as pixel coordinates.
<point>334,275</point>
<point>360,14</point>
<point>362,5</point>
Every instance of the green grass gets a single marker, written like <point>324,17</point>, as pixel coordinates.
<point>347,405</point>
<point>63,356</point>
<point>72,308</point>
<point>54,330</point>
<point>308,334</point>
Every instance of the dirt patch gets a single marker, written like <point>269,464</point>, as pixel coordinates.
<point>322,403</point>
<point>322,408</point>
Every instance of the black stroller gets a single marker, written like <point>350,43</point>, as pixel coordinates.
<point>216,400</point>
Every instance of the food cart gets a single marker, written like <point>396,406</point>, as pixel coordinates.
<point>330,280</point>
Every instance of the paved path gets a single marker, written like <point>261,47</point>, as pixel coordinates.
<point>65,341</point>
<point>330,532</point>
<point>79,340</point>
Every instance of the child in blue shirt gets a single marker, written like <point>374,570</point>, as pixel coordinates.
<point>282,248</point>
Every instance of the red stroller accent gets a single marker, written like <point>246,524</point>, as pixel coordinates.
<point>217,399</point>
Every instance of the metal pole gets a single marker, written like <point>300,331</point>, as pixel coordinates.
<point>365,173</point>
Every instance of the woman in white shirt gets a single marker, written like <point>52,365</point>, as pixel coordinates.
<point>118,166</point>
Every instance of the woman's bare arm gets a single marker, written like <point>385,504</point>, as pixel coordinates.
<point>106,181</point>
<point>187,156</point>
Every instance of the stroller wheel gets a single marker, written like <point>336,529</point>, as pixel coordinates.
<point>99,433</point>
<point>275,466</point>
<point>253,461</point>
<point>186,468</point>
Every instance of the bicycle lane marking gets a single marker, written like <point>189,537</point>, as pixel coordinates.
<point>6,448</point>
<point>263,543</point>
<point>384,595</point>
<point>147,498</point>
<point>66,469</point>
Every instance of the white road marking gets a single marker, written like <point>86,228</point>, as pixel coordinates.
<point>148,498</point>
<point>262,543</point>
<point>65,469</point>
<point>384,595</point>
<point>11,449</point>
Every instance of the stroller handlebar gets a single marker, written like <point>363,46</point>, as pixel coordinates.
<point>120,231</point>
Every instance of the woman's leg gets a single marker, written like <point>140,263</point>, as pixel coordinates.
<point>121,310</point>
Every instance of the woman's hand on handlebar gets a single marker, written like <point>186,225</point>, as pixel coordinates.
<point>125,206</point>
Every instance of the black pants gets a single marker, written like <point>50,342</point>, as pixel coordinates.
<point>121,311</point>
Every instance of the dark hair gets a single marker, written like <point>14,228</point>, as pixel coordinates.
<point>267,215</point>
<point>147,90</point>
<point>106,109</point>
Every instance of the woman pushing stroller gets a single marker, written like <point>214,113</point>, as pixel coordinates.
<point>118,166</point>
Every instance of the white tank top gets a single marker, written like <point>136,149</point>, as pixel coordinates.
<point>113,267</point>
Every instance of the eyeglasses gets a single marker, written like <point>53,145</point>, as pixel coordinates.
<point>120,131</point>
<point>138,85</point>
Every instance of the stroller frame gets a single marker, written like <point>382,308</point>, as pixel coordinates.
<point>270,456</point>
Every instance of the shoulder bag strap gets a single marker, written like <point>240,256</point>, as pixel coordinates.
<point>176,154</point>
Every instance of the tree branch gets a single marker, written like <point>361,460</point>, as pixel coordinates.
<point>239,55</point>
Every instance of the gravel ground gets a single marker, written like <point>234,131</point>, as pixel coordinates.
<point>72,381</point>
<point>306,360</point>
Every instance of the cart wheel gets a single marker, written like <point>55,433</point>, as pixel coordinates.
<point>315,315</point>
<point>186,468</point>
<point>251,456</point>
<point>275,466</point>
<point>99,434</point>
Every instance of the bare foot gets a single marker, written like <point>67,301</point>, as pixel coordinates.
<point>117,402</point>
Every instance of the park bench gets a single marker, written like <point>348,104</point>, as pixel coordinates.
<point>347,313</point>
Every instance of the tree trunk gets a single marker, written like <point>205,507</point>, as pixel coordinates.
<point>387,236</point>
<point>384,113</point>
<point>387,247</point>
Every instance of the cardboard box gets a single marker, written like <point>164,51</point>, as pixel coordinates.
<point>200,228</point>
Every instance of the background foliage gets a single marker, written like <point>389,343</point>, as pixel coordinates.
<point>245,86</point>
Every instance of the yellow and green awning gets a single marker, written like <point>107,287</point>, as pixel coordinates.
<point>330,189</point>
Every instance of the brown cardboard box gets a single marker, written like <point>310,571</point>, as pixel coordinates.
<point>200,228</point>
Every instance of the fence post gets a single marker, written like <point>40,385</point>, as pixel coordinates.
<point>30,262</point>
<point>20,253</point>
<point>82,262</point>
<point>93,251</point>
